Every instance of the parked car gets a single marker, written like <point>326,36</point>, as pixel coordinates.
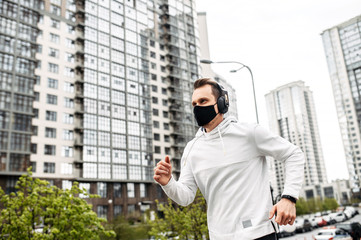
<point>321,221</point>
<point>303,225</point>
<point>338,216</point>
<point>285,231</point>
<point>332,233</point>
<point>353,228</point>
<point>329,220</point>
<point>313,221</point>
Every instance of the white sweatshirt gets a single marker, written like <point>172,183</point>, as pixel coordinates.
<point>228,165</point>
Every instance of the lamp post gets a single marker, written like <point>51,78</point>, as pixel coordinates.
<point>205,61</point>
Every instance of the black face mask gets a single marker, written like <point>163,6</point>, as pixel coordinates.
<point>204,114</point>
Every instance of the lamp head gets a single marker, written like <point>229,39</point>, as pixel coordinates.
<point>206,61</point>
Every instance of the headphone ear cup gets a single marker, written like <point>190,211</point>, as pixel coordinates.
<point>221,103</point>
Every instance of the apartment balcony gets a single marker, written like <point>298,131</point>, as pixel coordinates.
<point>80,6</point>
<point>79,107</point>
<point>176,107</point>
<point>78,140</point>
<point>79,34</point>
<point>79,48</point>
<point>78,124</point>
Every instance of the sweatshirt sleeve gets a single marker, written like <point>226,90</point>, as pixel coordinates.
<point>293,158</point>
<point>184,190</point>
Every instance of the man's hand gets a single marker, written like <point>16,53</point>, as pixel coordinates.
<point>286,212</point>
<point>163,171</point>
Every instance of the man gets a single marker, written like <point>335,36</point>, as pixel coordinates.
<point>226,161</point>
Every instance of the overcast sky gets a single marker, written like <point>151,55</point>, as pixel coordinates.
<point>280,41</point>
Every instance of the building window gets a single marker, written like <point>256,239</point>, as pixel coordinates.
<point>51,116</point>
<point>164,102</point>
<point>51,99</point>
<point>117,210</point>
<point>69,87</point>
<point>153,77</point>
<point>117,190</point>
<point>155,112</point>
<point>155,101</point>
<point>86,187</point>
<point>166,126</point>
<point>49,167</point>
<point>55,23</point>
<point>157,149</point>
<point>167,150</point>
<point>50,132</point>
<point>66,168</point>
<point>68,134</point>
<point>166,138</point>
<point>68,118</point>
<point>36,112</point>
<point>164,91</point>
<point>102,189</point>
<point>68,102</point>
<point>34,129</point>
<point>154,88</point>
<point>37,96</point>
<point>52,83</point>
<point>54,52</point>
<point>33,166</point>
<point>49,150</point>
<point>152,54</point>
<point>55,10</point>
<point>130,190</point>
<point>102,211</point>
<point>67,151</point>
<point>143,190</point>
<point>156,137</point>
<point>131,209</point>
<point>54,38</point>
<point>54,68</point>
<point>155,124</point>
<point>33,148</point>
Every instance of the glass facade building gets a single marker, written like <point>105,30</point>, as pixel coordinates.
<point>292,115</point>
<point>342,45</point>
<point>18,34</point>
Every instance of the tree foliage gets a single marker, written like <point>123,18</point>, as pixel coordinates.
<point>185,222</point>
<point>126,229</point>
<point>315,205</point>
<point>40,211</point>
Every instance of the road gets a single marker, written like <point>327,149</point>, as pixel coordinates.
<point>309,235</point>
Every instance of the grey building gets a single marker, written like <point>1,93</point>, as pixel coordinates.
<point>18,34</point>
<point>342,45</point>
<point>112,95</point>
<point>292,115</point>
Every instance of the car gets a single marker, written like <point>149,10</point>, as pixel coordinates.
<point>286,230</point>
<point>303,225</point>
<point>338,216</point>
<point>329,219</point>
<point>321,221</point>
<point>313,221</point>
<point>353,228</point>
<point>332,233</point>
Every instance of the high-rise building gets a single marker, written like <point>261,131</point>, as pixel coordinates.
<point>206,68</point>
<point>342,44</point>
<point>112,95</point>
<point>18,35</point>
<point>292,115</point>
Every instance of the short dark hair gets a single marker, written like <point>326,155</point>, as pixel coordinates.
<point>204,81</point>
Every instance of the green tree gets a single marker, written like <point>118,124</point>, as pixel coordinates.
<point>40,211</point>
<point>329,204</point>
<point>127,229</point>
<point>302,207</point>
<point>185,222</point>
